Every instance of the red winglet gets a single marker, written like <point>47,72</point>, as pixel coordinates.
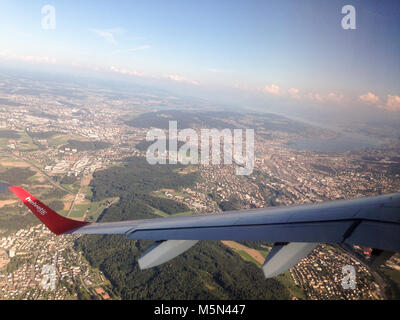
<point>56,223</point>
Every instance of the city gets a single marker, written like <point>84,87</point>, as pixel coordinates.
<point>54,144</point>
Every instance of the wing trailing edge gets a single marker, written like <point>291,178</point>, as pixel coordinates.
<point>296,230</point>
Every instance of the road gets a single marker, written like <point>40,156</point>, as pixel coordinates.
<point>50,179</point>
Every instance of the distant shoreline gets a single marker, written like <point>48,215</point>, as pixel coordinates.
<point>340,144</point>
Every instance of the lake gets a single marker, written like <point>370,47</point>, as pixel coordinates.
<point>340,144</point>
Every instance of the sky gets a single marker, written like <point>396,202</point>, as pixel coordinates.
<point>279,52</point>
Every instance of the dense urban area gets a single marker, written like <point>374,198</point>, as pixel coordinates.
<point>57,140</point>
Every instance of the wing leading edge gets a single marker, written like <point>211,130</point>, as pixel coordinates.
<point>372,222</point>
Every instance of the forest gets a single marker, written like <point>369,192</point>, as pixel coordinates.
<point>209,270</point>
<point>16,176</point>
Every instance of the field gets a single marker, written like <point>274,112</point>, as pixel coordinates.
<point>15,171</point>
<point>22,140</point>
<point>90,211</point>
<point>164,214</point>
<point>62,139</point>
<point>258,257</point>
<point>246,253</point>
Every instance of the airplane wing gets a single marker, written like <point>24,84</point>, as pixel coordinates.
<point>296,230</point>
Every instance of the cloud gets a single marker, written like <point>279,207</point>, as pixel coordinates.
<point>273,89</point>
<point>109,34</point>
<point>128,72</point>
<point>27,58</point>
<point>331,97</point>
<point>318,97</point>
<point>172,77</point>
<point>178,78</point>
<point>369,98</point>
<point>38,59</point>
<point>314,96</point>
<point>294,93</point>
<point>392,103</point>
<point>335,97</point>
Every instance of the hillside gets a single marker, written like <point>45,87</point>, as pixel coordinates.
<point>209,270</point>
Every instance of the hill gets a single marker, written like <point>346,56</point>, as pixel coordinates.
<point>209,270</point>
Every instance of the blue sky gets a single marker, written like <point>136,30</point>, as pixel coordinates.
<point>293,50</point>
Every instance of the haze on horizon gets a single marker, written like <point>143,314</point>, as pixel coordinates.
<point>291,57</point>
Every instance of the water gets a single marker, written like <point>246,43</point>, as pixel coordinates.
<point>340,144</point>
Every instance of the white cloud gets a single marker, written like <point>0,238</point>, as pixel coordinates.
<point>128,72</point>
<point>38,59</point>
<point>318,97</point>
<point>273,89</point>
<point>392,103</point>
<point>178,78</point>
<point>27,58</point>
<point>331,97</point>
<point>314,96</point>
<point>294,93</point>
<point>335,97</point>
<point>369,98</point>
<point>172,77</point>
